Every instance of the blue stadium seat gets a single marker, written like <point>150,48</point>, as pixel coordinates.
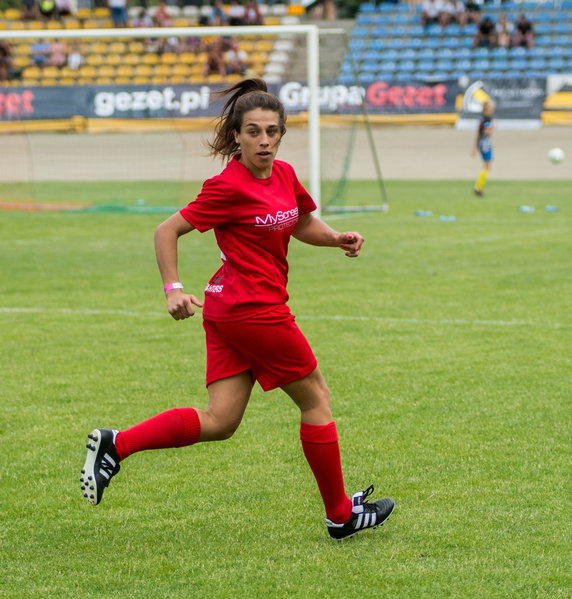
<point>377,43</point>
<point>367,7</point>
<point>402,76</point>
<point>470,29</point>
<point>407,65</point>
<point>369,66</point>
<point>388,66</point>
<point>367,77</point>
<point>498,51</point>
<point>425,66</point>
<point>446,53</point>
<point>463,64</point>
<point>416,42</point>
<point>365,19</point>
<point>533,73</point>
<point>562,27</point>
<point>481,52</point>
<point>496,75</point>
<point>416,30</point>
<point>408,53</point>
<point>360,32</point>
<point>499,64</point>
<point>463,53</point>
<point>542,28</point>
<point>537,63</point>
<point>380,31</point>
<point>426,53</point>
<point>444,64</point>
<point>556,63</point>
<point>346,78</point>
<point>390,55</point>
<point>358,44</point>
<point>518,64</point>
<point>440,75</point>
<point>482,64</point>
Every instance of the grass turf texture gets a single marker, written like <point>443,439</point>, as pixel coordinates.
<point>461,416</point>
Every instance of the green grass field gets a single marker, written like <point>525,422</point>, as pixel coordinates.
<point>446,346</point>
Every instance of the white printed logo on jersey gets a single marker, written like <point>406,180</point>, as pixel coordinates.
<point>278,221</point>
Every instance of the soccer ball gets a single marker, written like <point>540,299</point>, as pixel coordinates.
<point>556,155</point>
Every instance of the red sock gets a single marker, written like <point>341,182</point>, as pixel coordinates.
<point>321,448</point>
<point>175,428</point>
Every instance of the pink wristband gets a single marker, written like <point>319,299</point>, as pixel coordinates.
<point>172,286</point>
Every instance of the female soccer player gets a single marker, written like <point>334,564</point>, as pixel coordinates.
<point>484,145</point>
<point>254,206</point>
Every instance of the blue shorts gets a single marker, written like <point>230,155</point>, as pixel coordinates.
<point>487,156</point>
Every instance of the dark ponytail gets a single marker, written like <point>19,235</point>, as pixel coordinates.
<point>247,95</point>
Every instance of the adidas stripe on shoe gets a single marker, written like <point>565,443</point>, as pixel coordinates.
<point>364,515</point>
<point>101,464</point>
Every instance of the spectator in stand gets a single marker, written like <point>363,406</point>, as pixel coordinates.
<point>118,12</point>
<point>63,8</point>
<point>430,12</point>
<point>40,53</point>
<point>217,18</point>
<point>75,56</point>
<point>252,14</point>
<point>236,60</point>
<point>162,18</point>
<point>48,9</point>
<point>143,20</point>
<point>504,32</point>
<point>29,10</point>
<point>58,54</point>
<point>5,61</point>
<point>473,11</point>
<point>485,36</point>
<point>216,63</point>
<point>453,11</point>
<point>524,34</point>
<point>235,13</point>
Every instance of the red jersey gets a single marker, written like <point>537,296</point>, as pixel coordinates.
<point>253,220</point>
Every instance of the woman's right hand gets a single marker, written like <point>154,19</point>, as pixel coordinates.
<point>180,305</point>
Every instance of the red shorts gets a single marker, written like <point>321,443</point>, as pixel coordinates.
<point>276,353</point>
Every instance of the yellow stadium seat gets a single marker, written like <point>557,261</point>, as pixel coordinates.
<point>68,73</point>
<point>35,25</point>
<point>118,48</point>
<point>150,58</point>
<point>159,79</point>
<point>29,82</point>
<point>51,72</point>
<point>247,46</point>
<point>114,59</point>
<point>187,58</point>
<point>54,25</point>
<point>67,81</point>
<point>234,78</point>
<point>101,12</point>
<point>197,69</point>
<point>259,57</point>
<point>136,47</point>
<point>106,71</point>
<point>32,73</point>
<point>143,70</point>
<point>169,58</point>
<point>130,59</point>
<point>48,81</point>
<point>122,80</point>
<point>216,78</point>
<point>91,24</point>
<point>85,81</point>
<point>272,21</point>
<point>72,23</point>
<point>181,69</point>
<point>15,25</point>
<point>94,59</point>
<point>180,79</point>
<point>104,81</point>
<point>23,49</point>
<point>125,70</point>
<point>142,80</point>
<point>87,71</point>
<point>83,13</point>
<point>264,46</point>
<point>99,48</point>
<point>183,23</point>
<point>12,14</point>
<point>162,70</point>
<point>21,61</point>
<point>296,9</point>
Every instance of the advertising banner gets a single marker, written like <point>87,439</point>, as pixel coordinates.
<point>187,101</point>
<point>514,98</point>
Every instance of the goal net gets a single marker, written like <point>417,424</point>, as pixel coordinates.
<point>123,123</point>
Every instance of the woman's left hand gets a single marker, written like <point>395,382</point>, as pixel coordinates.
<point>351,242</point>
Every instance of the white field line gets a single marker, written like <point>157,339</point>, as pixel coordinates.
<point>438,321</point>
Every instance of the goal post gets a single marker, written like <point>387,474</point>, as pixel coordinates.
<point>309,31</point>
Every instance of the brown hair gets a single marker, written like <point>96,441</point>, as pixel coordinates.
<point>247,95</point>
